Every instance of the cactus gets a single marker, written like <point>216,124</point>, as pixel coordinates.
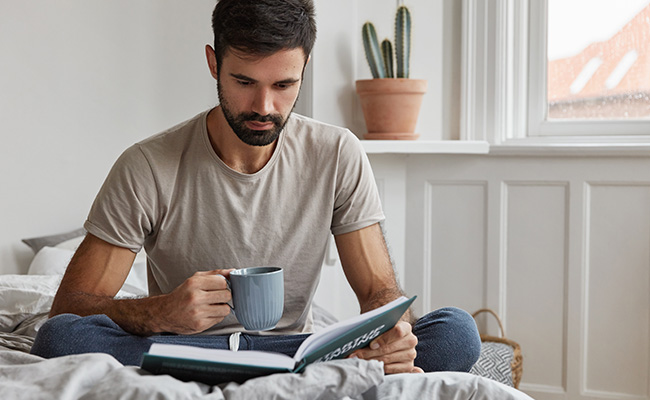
<point>387,54</point>
<point>373,52</point>
<point>403,41</point>
<point>379,59</point>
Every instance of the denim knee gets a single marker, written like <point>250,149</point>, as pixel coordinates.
<point>51,336</point>
<point>448,340</point>
<point>67,334</point>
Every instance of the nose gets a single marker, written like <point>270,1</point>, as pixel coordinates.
<point>263,102</point>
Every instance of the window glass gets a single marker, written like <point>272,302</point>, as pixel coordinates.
<point>598,59</point>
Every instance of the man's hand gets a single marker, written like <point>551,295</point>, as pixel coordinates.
<point>396,348</point>
<point>98,270</point>
<point>197,304</point>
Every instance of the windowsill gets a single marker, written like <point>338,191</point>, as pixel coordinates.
<point>514,148</point>
<point>573,149</point>
<point>425,147</point>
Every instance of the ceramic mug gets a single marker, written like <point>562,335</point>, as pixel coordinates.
<point>257,297</point>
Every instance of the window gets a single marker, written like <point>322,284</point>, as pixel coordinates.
<point>598,53</point>
<point>556,71</point>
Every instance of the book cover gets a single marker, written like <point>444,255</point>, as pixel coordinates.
<point>215,366</point>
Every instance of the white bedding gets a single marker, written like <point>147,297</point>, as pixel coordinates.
<point>101,377</point>
<point>26,299</point>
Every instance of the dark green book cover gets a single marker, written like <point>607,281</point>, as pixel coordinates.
<point>214,366</point>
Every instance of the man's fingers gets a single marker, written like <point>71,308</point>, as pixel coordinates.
<point>405,343</point>
<point>218,311</point>
<point>389,353</point>
<point>406,355</point>
<point>397,333</point>
<point>206,280</point>
<point>214,297</point>
<point>198,303</point>
<point>395,348</point>
<point>223,272</point>
<point>209,315</point>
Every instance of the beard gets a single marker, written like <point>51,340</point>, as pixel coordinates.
<point>249,136</point>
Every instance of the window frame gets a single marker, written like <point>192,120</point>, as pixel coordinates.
<point>503,87</point>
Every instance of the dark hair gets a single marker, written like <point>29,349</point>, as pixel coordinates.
<point>263,27</point>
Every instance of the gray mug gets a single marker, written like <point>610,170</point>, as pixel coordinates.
<point>257,297</point>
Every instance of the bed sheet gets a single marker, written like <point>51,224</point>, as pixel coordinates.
<point>26,299</point>
<point>100,376</point>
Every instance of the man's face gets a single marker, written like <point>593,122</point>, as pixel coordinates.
<point>258,94</point>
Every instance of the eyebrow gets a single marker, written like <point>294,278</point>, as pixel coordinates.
<point>247,78</point>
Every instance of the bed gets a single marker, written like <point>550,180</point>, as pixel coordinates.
<point>25,300</point>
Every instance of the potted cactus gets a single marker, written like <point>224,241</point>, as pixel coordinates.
<point>391,100</point>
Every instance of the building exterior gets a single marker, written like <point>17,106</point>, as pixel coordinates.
<point>607,80</point>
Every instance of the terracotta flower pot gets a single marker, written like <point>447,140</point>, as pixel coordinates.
<point>391,107</point>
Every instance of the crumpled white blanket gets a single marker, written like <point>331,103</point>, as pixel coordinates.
<point>25,300</point>
<point>101,377</point>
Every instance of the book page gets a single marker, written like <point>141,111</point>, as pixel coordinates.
<point>247,357</point>
<point>334,331</point>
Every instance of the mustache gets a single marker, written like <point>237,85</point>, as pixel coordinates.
<point>253,116</point>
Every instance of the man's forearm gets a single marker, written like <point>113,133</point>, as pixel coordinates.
<point>385,296</point>
<point>136,316</point>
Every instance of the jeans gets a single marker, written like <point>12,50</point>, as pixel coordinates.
<point>448,340</point>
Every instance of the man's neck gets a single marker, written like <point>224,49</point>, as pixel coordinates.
<point>236,154</point>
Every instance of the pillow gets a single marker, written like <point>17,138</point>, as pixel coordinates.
<point>50,261</point>
<point>37,243</point>
<point>71,244</point>
<point>135,284</point>
<point>55,260</point>
<point>23,296</point>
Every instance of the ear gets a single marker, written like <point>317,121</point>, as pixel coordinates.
<point>212,61</point>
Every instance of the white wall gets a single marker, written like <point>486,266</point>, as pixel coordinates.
<point>557,245</point>
<point>80,80</point>
<point>339,60</point>
<point>426,54</point>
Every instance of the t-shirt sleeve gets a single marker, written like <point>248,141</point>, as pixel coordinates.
<point>123,211</point>
<point>357,204</point>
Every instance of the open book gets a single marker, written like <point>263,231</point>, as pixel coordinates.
<point>214,366</point>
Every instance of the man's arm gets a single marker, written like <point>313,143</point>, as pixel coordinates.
<point>369,270</point>
<point>98,270</point>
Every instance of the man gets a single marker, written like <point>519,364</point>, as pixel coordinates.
<point>243,184</point>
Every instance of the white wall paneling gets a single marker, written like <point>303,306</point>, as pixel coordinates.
<point>617,294</point>
<point>558,246</point>
<point>534,272</point>
<point>453,210</point>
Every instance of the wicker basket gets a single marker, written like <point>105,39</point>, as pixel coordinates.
<point>517,360</point>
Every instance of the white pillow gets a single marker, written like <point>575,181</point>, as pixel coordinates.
<point>50,261</point>
<point>136,282</point>
<point>71,244</point>
<point>23,296</point>
<point>55,260</point>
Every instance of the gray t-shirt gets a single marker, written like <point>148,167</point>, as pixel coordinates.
<point>173,195</point>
